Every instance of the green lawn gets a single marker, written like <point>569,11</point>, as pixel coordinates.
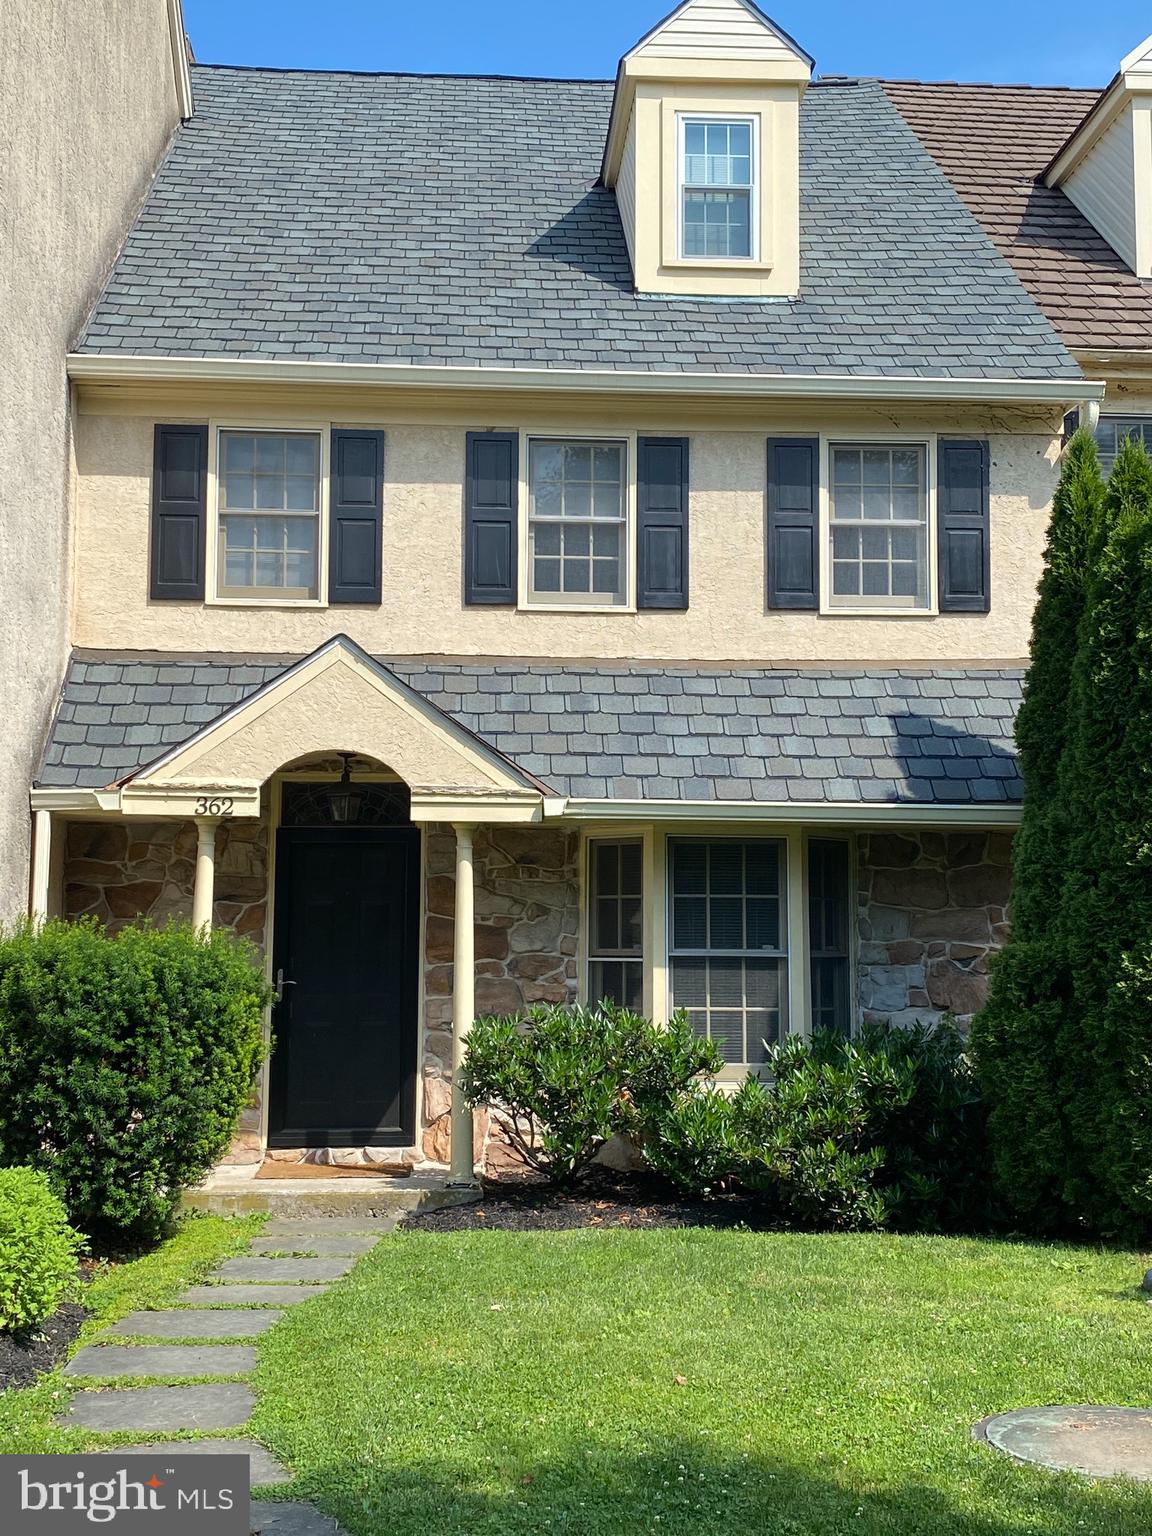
<point>685,1381</point>
<point>196,1245</point>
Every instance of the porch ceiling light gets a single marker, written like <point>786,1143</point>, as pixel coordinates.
<point>344,800</point>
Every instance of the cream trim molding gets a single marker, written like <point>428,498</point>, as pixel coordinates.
<point>850,814</point>
<point>113,367</point>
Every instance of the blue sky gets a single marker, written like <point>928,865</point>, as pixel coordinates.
<point>1061,42</point>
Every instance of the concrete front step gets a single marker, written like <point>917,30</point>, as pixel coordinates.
<point>184,1323</point>
<point>248,1295</point>
<point>228,1193</point>
<point>328,1226</point>
<point>319,1247</point>
<point>148,1410</point>
<point>162,1360</point>
<point>264,1469</point>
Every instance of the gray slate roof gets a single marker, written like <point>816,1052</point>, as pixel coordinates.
<point>899,735</point>
<point>445,220</point>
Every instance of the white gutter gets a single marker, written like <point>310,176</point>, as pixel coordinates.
<point>847,813</point>
<point>121,367</point>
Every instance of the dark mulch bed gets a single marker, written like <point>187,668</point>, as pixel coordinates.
<point>23,1359</point>
<point>602,1199</point>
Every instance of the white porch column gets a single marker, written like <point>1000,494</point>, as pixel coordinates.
<point>41,865</point>
<point>204,889</point>
<point>463,1002</point>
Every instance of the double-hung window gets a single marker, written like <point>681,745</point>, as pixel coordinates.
<point>728,946</point>
<point>268,523</point>
<point>577,521</point>
<point>616,923</point>
<point>878,526</point>
<point>1111,432</point>
<point>717,193</point>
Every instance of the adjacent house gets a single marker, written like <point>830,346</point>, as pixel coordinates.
<point>551,539</point>
<point>91,96</point>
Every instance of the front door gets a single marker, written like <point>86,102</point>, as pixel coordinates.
<point>347,946</point>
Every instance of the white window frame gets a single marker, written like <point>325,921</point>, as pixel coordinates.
<point>754,190</point>
<point>586,959</point>
<point>1141,418</point>
<point>561,604</point>
<point>923,440</point>
<point>321,429</point>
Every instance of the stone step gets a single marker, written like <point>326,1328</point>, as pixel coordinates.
<point>319,1247</point>
<point>184,1323</point>
<point>221,1405</point>
<point>330,1226</point>
<point>291,1520</point>
<point>162,1360</point>
<point>282,1271</point>
<point>264,1469</point>
<point>227,1296</point>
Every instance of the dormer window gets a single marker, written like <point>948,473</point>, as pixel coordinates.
<point>717,188</point>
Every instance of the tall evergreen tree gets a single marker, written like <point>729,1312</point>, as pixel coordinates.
<point>1105,924</point>
<point>1014,1036</point>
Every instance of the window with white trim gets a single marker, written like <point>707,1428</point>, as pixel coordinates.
<point>727,953</point>
<point>616,922</point>
<point>577,521</point>
<point>268,515</point>
<point>1111,431</point>
<point>829,933</point>
<point>717,192</point>
<point>878,526</point>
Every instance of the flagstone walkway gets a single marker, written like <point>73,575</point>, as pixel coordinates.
<point>205,1334</point>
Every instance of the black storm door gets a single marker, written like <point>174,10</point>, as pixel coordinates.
<point>347,948</point>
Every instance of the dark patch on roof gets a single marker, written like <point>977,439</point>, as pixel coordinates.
<point>460,221</point>
<point>993,143</point>
<point>939,735</point>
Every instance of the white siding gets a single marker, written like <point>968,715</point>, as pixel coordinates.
<point>1103,187</point>
<point>716,29</point>
<point>626,189</point>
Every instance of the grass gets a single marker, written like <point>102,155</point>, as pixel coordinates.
<point>593,1383</point>
<point>152,1280</point>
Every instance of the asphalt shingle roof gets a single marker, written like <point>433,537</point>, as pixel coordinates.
<point>442,220</point>
<point>993,142</point>
<point>891,735</point>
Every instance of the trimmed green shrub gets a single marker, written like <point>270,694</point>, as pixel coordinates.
<point>564,1080</point>
<point>124,1063</point>
<point>1014,1036</point>
<point>885,1130</point>
<point>38,1250</point>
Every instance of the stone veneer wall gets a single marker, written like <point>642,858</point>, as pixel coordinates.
<point>121,870</point>
<point>932,912</point>
<point>527,922</point>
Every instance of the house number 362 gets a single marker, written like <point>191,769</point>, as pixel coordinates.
<point>209,807</point>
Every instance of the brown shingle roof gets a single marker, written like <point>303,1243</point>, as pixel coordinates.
<point>993,142</point>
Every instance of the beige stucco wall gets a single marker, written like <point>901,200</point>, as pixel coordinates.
<point>422,610</point>
<point>89,102</point>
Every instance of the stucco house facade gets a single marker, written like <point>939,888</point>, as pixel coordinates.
<point>92,95</point>
<point>540,540</point>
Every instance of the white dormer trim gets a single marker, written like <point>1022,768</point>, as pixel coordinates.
<point>720,47</point>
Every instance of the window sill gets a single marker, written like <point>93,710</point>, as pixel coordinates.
<point>597,608</point>
<point>718,263</point>
<point>264,602</point>
<point>829,612</point>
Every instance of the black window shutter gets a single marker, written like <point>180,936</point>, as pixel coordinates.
<point>793,522</point>
<point>491,493</point>
<point>963,525</point>
<point>355,516</point>
<point>179,513</point>
<point>662,522</point>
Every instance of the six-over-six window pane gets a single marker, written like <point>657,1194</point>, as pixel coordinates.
<point>717,179</point>
<point>577,494</point>
<point>878,515</point>
<point>615,923</point>
<point>269,514</point>
<point>727,949</point>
